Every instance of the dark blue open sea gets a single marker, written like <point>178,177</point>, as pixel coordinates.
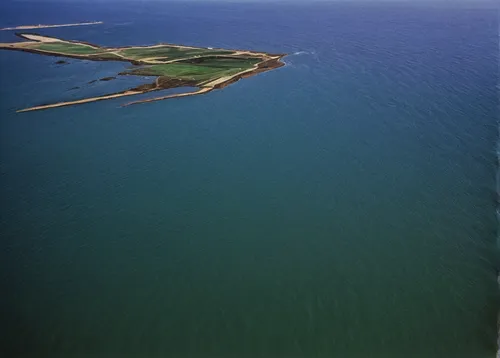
<point>341,206</point>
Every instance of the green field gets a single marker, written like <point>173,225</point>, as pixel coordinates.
<point>66,48</point>
<point>228,62</point>
<point>107,56</point>
<point>210,69</point>
<point>192,65</point>
<point>171,53</point>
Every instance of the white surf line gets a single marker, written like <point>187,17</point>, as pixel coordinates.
<point>40,26</point>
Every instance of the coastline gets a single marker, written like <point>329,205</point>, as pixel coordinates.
<point>266,62</point>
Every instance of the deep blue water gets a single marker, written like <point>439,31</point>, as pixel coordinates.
<point>341,206</point>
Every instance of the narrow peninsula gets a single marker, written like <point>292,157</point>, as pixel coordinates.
<point>41,26</point>
<point>173,66</point>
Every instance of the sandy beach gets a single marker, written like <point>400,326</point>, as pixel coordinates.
<point>81,101</point>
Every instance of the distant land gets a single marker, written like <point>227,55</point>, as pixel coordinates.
<point>41,26</point>
<point>173,66</point>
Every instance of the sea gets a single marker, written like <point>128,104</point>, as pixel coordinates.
<point>344,205</point>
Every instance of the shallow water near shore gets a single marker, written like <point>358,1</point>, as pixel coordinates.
<point>341,206</point>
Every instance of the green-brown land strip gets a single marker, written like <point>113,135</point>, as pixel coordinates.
<point>173,65</point>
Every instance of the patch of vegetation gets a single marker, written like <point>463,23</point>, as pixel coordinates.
<point>225,62</point>
<point>107,56</point>
<point>66,48</point>
<point>185,71</point>
<point>172,53</point>
<point>198,70</point>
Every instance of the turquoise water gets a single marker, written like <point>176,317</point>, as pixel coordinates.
<point>341,206</point>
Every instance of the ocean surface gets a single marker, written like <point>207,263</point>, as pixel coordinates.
<point>341,206</point>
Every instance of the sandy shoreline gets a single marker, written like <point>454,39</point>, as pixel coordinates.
<point>40,26</point>
<point>81,101</point>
